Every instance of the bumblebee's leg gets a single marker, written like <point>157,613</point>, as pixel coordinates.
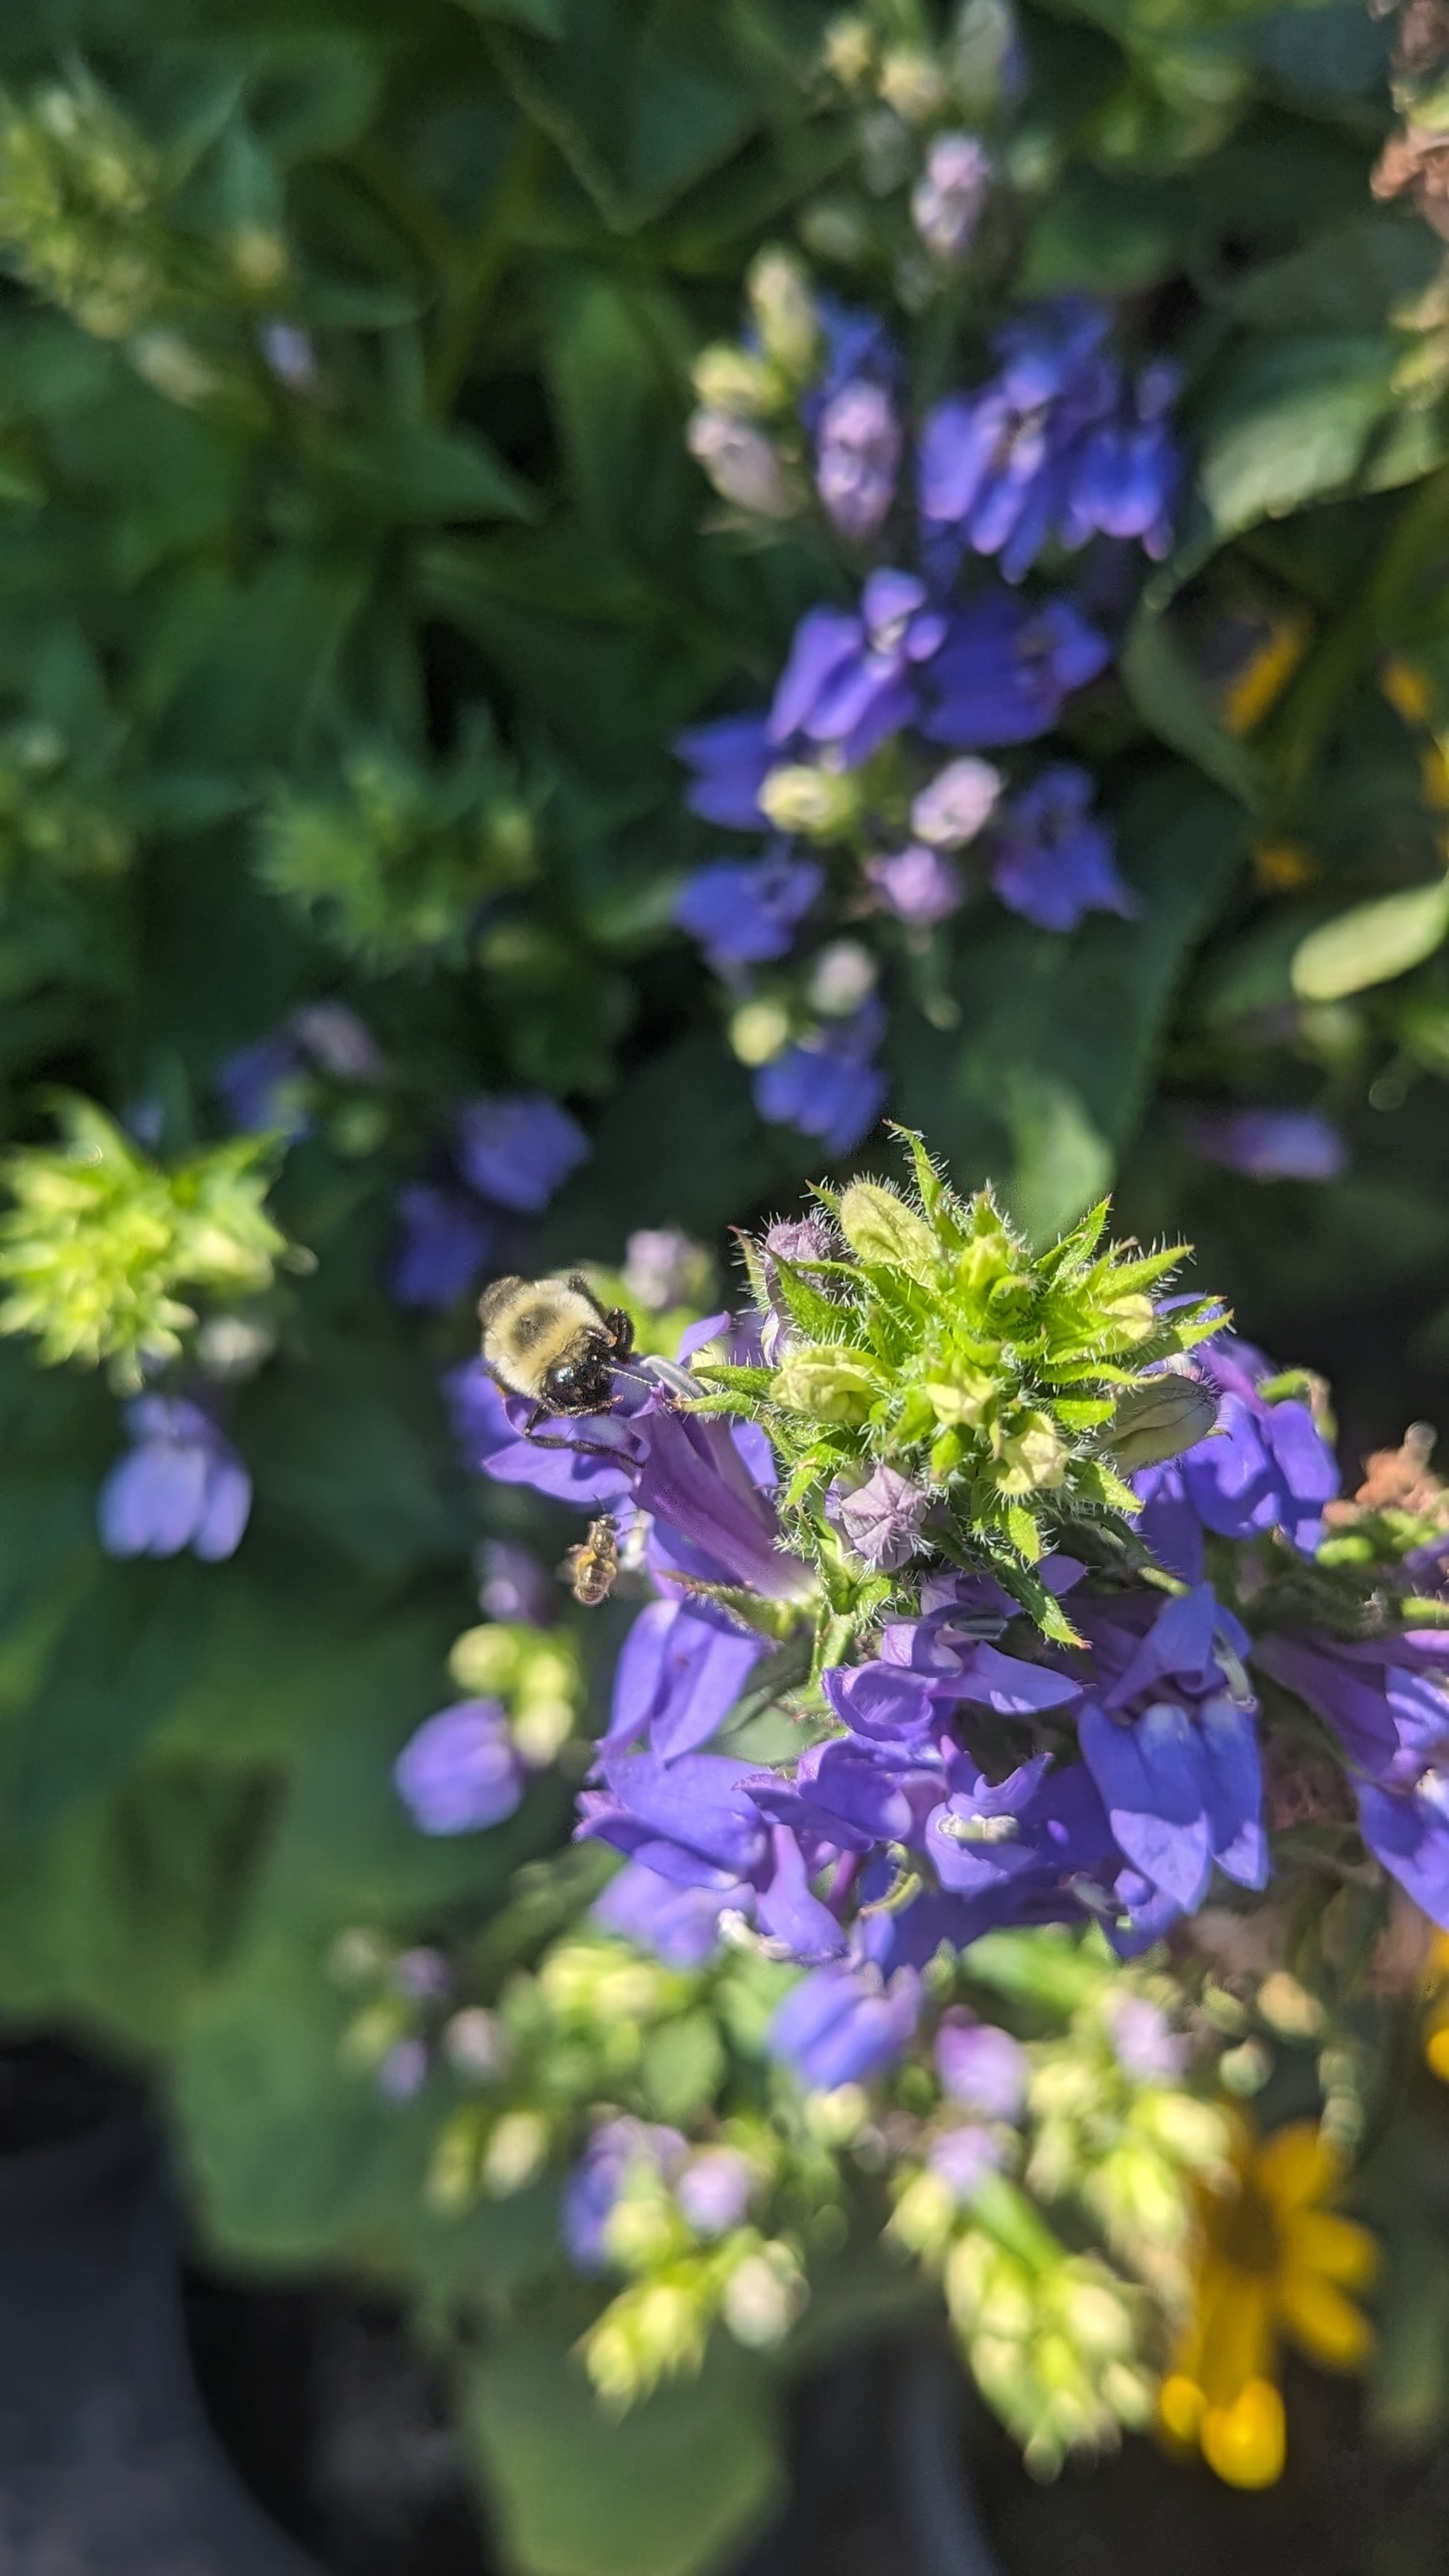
<point>581,1448</point>
<point>620,1328</point>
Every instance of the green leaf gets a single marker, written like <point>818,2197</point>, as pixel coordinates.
<point>674,2488</point>
<point>1291,423</point>
<point>411,471</point>
<point>1170,699</point>
<point>1372,944</point>
<point>642,97</point>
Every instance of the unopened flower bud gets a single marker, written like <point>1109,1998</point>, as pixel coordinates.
<point>763,2296</point>
<point>959,800</point>
<point>516,2151</point>
<point>758,1031</point>
<point>1033,1457</point>
<point>848,51</point>
<point>733,380</point>
<point>821,803</point>
<point>476,2044</point>
<point>785,316</point>
<point>1159,1419</point>
<point>741,464</point>
<point>835,1385</point>
<point>912,84</point>
<point>880,1227</point>
<point>841,977</point>
<point>485,1660</point>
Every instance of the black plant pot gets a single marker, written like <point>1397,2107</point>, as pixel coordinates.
<point>107,2464</point>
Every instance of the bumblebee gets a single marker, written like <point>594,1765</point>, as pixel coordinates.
<point>551,1342</point>
<point>593,1565</point>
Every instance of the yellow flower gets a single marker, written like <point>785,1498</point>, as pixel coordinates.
<point>1261,680</point>
<point>1274,2260</point>
<point>1281,866</point>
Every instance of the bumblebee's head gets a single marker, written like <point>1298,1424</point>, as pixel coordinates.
<point>581,1383</point>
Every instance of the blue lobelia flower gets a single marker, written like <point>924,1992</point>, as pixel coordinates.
<point>731,758</point>
<point>850,681</point>
<point>516,1151</point>
<point>680,1924</point>
<point>1005,670</point>
<point>445,1241</point>
<point>680,1671</point>
<point>694,1822</point>
<point>844,2024</point>
<point>1265,1466</point>
<point>744,912</point>
<point>179,1485</point>
<point>996,465</point>
<point>826,1084</point>
<point>1268,1144</point>
<point>1051,860</point>
<point>1126,470</point>
<point>563,1461</point>
<point>947,199</point>
<point>1168,1733</point>
<point>267,1085</point>
<point>1387,1701</point>
<point>461,1770</point>
<point>921,886</point>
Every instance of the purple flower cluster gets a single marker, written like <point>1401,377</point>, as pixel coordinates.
<point>1058,444</point>
<point>507,1155</point>
<point>711,2187</point>
<point>1386,1703</point>
<point>268,1086</point>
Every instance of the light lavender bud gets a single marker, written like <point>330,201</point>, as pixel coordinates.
<point>919,885</point>
<point>291,357</point>
<point>422,1975</point>
<point>880,1521</point>
<point>960,798</point>
<point>946,201</point>
<point>1146,2048</point>
<point>857,457</point>
<point>662,1267</point>
<point>741,464</point>
<point>840,978</point>
<point>403,2071</point>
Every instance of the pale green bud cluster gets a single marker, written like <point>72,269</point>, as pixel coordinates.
<point>1125,2150</point>
<point>100,1240</point>
<point>745,433</point>
<point>1053,2339</point>
<point>397,861</point>
<point>538,1675</point>
<point>80,190</point>
<point>995,1380</point>
<point>659,2327</point>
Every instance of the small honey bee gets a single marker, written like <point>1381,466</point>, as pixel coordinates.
<point>592,1566</point>
<point>551,1342</point>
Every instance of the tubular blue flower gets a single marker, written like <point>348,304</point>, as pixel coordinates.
<point>845,2025</point>
<point>1005,670</point>
<point>1125,473</point>
<point>445,1242</point>
<point>1051,861</point>
<point>746,911</point>
<point>1265,1466</point>
<point>1268,1144</point>
<point>1387,1701</point>
<point>517,1151</point>
<point>730,759</point>
<point>1172,1750</point>
<point>179,1485</point>
<point>857,457</point>
<point>593,2188</point>
<point>825,1084</point>
<point>682,1668</point>
<point>855,348</point>
<point>996,465</point>
<point>694,1821</point>
<point>461,1770</point>
<point>850,682</point>
<point>560,1461</point>
<point>981,2067</point>
<point>947,199</point>
<point>921,886</point>
<point>696,1485</point>
<point>680,1924</point>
